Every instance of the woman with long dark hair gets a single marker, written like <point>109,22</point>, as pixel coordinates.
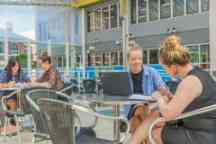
<point>12,75</point>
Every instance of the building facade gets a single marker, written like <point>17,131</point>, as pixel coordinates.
<point>58,32</point>
<point>16,45</point>
<point>150,21</point>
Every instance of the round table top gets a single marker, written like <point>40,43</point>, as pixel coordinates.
<point>110,100</point>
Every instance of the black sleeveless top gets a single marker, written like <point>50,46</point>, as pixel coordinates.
<point>207,97</point>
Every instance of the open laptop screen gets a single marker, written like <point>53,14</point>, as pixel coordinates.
<point>116,83</point>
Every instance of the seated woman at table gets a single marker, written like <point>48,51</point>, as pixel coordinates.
<point>12,75</point>
<point>51,77</point>
<point>196,90</point>
<point>144,80</point>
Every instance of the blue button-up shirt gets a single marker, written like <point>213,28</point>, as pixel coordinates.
<point>151,82</point>
<point>4,78</point>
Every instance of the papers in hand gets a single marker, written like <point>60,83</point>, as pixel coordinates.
<point>141,97</point>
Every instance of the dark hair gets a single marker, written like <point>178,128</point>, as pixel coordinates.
<point>11,63</point>
<point>45,58</point>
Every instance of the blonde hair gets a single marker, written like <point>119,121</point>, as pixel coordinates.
<point>133,46</point>
<point>172,52</point>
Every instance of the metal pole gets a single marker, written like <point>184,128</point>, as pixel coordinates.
<point>6,46</point>
<point>49,48</point>
<point>125,31</point>
<point>83,42</point>
<point>29,59</point>
<point>67,41</point>
<point>212,34</point>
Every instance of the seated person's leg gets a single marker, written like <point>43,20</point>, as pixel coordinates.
<point>141,132</point>
<point>12,103</point>
<point>138,116</point>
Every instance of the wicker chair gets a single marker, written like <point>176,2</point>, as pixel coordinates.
<point>60,115</point>
<point>40,124</point>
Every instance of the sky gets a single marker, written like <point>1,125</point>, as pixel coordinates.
<point>22,19</point>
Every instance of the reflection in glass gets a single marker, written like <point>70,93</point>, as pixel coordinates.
<point>133,11</point>
<point>192,6</point>
<point>142,11</point>
<point>114,16</point>
<point>145,57</point>
<point>97,20</point>
<point>153,10</point>
<point>205,5</point>
<point>178,8</point>
<point>154,54</point>
<point>194,52</point>
<point>105,17</point>
<point>165,9</point>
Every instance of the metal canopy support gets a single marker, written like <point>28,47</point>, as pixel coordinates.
<point>56,3</point>
<point>83,42</point>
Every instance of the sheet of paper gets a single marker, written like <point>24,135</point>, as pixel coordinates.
<point>141,97</point>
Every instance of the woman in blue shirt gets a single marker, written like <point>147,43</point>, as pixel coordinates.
<point>144,81</point>
<point>9,77</point>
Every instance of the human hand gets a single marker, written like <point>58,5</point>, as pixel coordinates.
<point>160,98</point>
<point>12,84</point>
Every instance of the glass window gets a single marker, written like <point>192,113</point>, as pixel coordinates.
<point>204,53</point>
<point>77,24</point>
<point>114,16</point>
<point>142,11</point>
<point>133,11</point>
<point>205,5</point>
<point>114,58</point>
<point>192,6</point>
<point>105,15</point>
<point>178,8</point>
<point>194,52</point>
<point>204,56</point>
<point>153,10</point>
<point>97,20</point>
<point>153,55</point>
<point>1,47</point>
<point>145,57</point>
<point>99,59</point>
<point>165,9</point>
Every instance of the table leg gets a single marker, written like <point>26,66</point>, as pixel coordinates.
<point>116,125</point>
<point>73,125</point>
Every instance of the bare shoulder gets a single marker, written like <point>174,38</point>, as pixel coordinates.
<point>192,85</point>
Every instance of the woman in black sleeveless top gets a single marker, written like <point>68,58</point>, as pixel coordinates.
<point>196,90</point>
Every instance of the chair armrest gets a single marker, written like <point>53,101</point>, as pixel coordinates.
<point>5,97</point>
<point>184,115</point>
<point>31,102</point>
<point>67,88</point>
<point>86,110</point>
<point>19,114</point>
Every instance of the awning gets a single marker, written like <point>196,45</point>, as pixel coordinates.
<point>85,3</point>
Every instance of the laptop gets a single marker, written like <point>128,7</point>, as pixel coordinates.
<point>116,84</point>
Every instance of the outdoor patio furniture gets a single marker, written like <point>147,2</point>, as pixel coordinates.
<point>40,124</point>
<point>60,117</point>
<point>191,114</point>
<point>89,86</point>
<point>6,115</point>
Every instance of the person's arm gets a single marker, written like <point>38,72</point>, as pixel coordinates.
<point>52,78</point>
<point>25,77</point>
<point>4,83</point>
<point>40,84</point>
<point>189,89</point>
<point>160,85</point>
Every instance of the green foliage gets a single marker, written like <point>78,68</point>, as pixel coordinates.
<point>22,59</point>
